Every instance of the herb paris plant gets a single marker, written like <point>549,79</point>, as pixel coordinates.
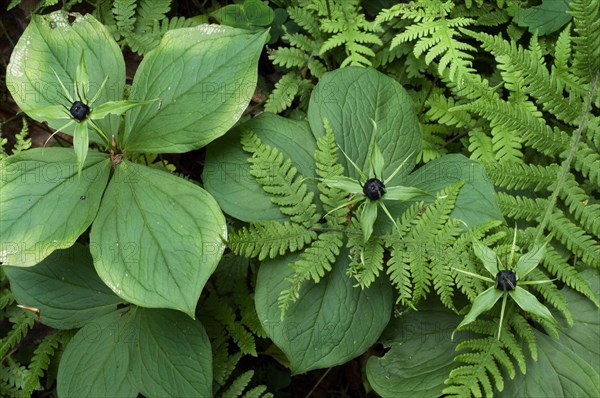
<point>155,238</point>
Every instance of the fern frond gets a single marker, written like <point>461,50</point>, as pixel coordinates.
<point>305,19</point>
<point>436,38</point>
<point>480,146</point>
<point>506,145</point>
<point>411,249</point>
<point>328,166</point>
<point>280,180</point>
<point>521,207</point>
<point>519,175</point>
<point>471,378</point>
<point>222,312</point>
<point>587,162</point>
<point>313,263</point>
<point>575,238</point>
<point>551,294</point>
<point>238,386</point>
<point>517,118</point>
<point>484,358</point>
<point>537,81</point>
<point>40,361</point>
<point>289,57</point>
<point>6,298</point>
<point>23,143</point>
<point>526,333</point>
<point>20,327</point>
<point>150,11</point>
<point>223,362</point>
<point>124,12</point>
<point>367,263</point>
<point>143,42</point>
<point>258,392</point>
<point>269,239</point>
<point>577,201</point>
<point>436,215</point>
<point>12,375</point>
<point>586,57</point>
<point>558,267</point>
<point>286,89</point>
<point>440,110</point>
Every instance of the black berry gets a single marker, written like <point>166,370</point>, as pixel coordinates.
<point>79,110</point>
<point>373,189</point>
<point>506,280</point>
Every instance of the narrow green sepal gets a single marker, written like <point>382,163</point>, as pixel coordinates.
<point>80,144</point>
<point>115,108</point>
<point>82,78</point>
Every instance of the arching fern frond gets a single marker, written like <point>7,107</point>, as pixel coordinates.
<point>412,252</point>
<point>521,207</point>
<point>269,239</point>
<point>328,166</point>
<point>349,28</point>
<point>575,238</point>
<point>281,180</point>
<point>485,360</point>
<point>313,263</point>
<point>40,362</point>
<point>578,203</point>
<point>587,42</point>
<point>436,39</point>
<point>519,175</point>
<point>20,327</point>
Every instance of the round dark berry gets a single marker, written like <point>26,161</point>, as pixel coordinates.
<point>506,280</point>
<point>79,110</point>
<point>373,189</point>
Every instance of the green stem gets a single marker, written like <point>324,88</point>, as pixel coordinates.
<point>566,164</point>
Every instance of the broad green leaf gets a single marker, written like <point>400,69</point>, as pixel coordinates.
<point>368,216</point>
<point>115,108</point>
<point>421,353</point>
<point>55,43</point>
<point>344,183</point>
<point>402,193</point>
<point>331,323</point>
<point>44,205</point>
<point>156,353</point>
<point>174,354</point>
<point>585,332</point>
<point>528,261</point>
<point>157,238</point>
<point>487,256</point>
<point>569,366</point>
<point>203,76</point>
<point>545,18</point>
<point>529,303</point>
<point>249,15</point>
<point>476,202</point>
<point>227,171</point>
<point>97,360</point>
<point>482,303</point>
<point>64,287</point>
<point>351,99</point>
